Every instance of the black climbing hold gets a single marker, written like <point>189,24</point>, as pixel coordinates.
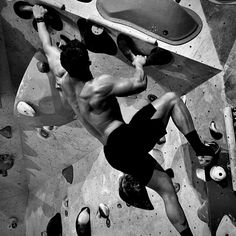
<point>85,1</point>
<point>23,10</point>
<point>68,173</point>
<point>54,226</point>
<point>44,133</point>
<point>134,193</point>
<point>152,97</point>
<point>159,57</point>
<point>52,19</point>
<point>6,132</point>
<point>127,47</point>
<point>98,43</point>
<point>170,172</point>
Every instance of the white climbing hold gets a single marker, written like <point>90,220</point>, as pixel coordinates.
<point>200,173</point>
<point>25,109</point>
<point>217,173</point>
<point>184,99</point>
<point>103,210</point>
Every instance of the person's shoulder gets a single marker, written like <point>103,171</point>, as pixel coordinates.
<point>104,77</point>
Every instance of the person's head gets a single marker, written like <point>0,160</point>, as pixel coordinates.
<point>75,60</point>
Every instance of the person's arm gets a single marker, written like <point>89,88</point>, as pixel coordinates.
<point>136,84</point>
<point>39,14</point>
<point>106,85</point>
<point>52,53</point>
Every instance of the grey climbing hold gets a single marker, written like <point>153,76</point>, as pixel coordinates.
<point>68,173</point>
<point>6,132</point>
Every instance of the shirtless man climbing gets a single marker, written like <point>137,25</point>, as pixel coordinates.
<point>126,146</point>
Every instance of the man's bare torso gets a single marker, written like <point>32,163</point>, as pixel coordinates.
<point>99,113</point>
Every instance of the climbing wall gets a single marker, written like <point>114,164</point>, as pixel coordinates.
<point>203,70</point>
<point>13,182</point>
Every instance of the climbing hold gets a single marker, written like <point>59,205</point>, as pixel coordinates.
<point>23,9</point>
<point>176,187</point>
<point>6,132</point>
<point>52,19</point>
<point>202,212</point>
<point>44,233</point>
<point>43,67</point>
<point>162,140</point>
<point>99,42</point>
<point>214,131</point>
<point>25,109</point>
<point>6,163</point>
<point>82,224</point>
<point>134,193</point>
<point>68,173</point>
<point>159,57</point>
<point>184,99</point>
<point>104,211</point>
<point>42,133</point>
<point>65,202</point>
<point>200,173</point>
<point>151,97</point>
<point>13,221</point>
<point>170,172</point>
<point>54,226</point>
<point>127,47</point>
<point>66,213</point>
<point>217,173</point>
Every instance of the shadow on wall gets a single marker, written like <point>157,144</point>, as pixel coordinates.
<point>222,23</point>
<point>19,50</point>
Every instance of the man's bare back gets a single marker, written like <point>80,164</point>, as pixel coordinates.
<point>95,107</point>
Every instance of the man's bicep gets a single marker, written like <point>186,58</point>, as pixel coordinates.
<point>122,87</point>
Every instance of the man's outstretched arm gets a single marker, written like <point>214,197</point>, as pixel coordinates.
<point>135,84</point>
<point>39,13</point>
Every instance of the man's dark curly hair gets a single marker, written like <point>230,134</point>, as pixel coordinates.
<point>75,60</point>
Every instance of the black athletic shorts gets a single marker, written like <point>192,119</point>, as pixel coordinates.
<point>128,146</point>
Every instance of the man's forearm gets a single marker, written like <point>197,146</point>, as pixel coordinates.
<point>43,34</point>
<point>140,77</point>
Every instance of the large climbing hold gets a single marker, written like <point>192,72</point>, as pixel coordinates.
<point>217,173</point>
<point>159,19</point>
